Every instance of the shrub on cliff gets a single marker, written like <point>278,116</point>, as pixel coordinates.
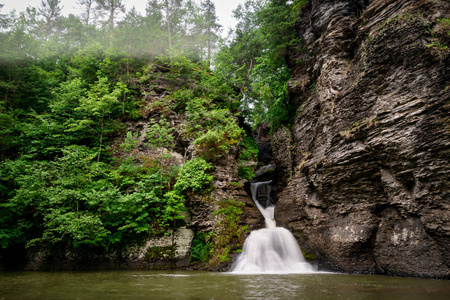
<point>209,104</point>
<point>194,176</point>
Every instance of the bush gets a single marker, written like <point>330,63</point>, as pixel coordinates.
<point>207,100</point>
<point>173,207</point>
<point>246,172</point>
<point>228,234</point>
<point>202,248</point>
<point>194,176</point>
<point>159,134</point>
<point>215,131</point>
<point>248,149</point>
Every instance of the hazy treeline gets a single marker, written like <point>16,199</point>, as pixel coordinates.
<point>179,25</point>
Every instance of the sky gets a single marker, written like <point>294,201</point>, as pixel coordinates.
<point>224,8</point>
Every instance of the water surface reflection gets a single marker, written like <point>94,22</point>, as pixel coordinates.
<point>205,285</point>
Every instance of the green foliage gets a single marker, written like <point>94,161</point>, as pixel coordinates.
<point>270,82</point>
<point>248,149</point>
<point>198,82</point>
<point>66,96</point>
<point>59,192</point>
<point>437,45</point>
<point>166,26</point>
<point>130,143</point>
<point>202,247</point>
<point>59,102</point>
<point>228,234</point>
<point>75,201</point>
<point>248,152</point>
<point>214,143</point>
<point>440,39</point>
<point>255,57</point>
<point>173,207</point>
<point>194,176</point>
<point>68,88</point>
<point>83,228</point>
<point>55,191</point>
<point>156,253</point>
<point>214,247</point>
<point>246,172</point>
<point>159,134</point>
<point>101,99</point>
<point>309,256</point>
<point>214,130</point>
<point>444,22</point>
<point>208,102</point>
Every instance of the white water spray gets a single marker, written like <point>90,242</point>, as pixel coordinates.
<point>268,212</point>
<point>272,249</point>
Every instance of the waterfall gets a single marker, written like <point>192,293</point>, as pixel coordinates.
<point>272,249</point>
<point>261,196</point>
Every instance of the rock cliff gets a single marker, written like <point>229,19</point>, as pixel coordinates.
<point>367,189</point>
<point>203,208</point>
<point>216,217</point>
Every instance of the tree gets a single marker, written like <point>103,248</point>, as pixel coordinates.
<point>88,9</point>
<point>139,36</point>
<point>72,33</point>
<point>51,11</point>
<point>4,19</point>
<point>110,8</point>
<point>29,24</point>
<point>101,101</point>
<point>191,28</point>
<point>168,22</point>
<point>211,26</point>
<point>172,12</point>
<point>256,56</point>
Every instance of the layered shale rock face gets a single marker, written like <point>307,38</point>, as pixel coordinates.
<point>368,187</point>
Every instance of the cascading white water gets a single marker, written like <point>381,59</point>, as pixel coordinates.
<point>268,212</point>
<point>272,249</point>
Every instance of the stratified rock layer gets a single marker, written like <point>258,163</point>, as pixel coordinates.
<point>369,181</point>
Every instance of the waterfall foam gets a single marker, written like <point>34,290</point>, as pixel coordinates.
<point>271,249</point>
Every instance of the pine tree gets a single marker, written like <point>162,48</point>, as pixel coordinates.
<point>88,9</point>
<point>4,19</point>
<point>172,12</point>
<point>211,26</point>
<point>51,11</point>
<point>110,8</point>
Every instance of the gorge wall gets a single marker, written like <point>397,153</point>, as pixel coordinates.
<point>367,188</point>
<point>158,143</point>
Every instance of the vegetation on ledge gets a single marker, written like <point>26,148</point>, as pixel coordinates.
<point>74,176</point>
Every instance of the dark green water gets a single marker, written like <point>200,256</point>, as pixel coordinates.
<point>205,285</point>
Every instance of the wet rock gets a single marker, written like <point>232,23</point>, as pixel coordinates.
<point>281,145</point>
<point>399,238</point>
<point>262,136</point>
<point>369,186</point>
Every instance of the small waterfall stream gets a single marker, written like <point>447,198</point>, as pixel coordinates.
<point>272,249</point>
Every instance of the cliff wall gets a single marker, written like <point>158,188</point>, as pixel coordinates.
<point>367,190</point>
<point>215,212</point>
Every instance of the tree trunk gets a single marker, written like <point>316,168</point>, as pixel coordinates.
<point>168,30</point>
<point>111,23</point>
